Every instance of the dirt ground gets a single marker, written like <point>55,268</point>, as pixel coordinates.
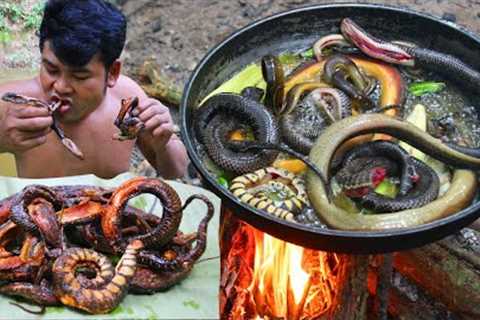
<point>179,33</point>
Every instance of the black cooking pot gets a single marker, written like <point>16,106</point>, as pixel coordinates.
<point>299,29</point>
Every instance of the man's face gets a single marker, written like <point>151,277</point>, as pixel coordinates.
<point>81,89</point>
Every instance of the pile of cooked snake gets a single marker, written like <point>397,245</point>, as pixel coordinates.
<point>57,244</point>
<point>340,112</point>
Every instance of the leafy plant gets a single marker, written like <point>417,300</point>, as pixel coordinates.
<point>13,11</point>
<point>34,18</point>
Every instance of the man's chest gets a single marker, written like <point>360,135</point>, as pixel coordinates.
<point>103,156</point>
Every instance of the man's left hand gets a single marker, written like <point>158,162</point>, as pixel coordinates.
<point>157,119</point>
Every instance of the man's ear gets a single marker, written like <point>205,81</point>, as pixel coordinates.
<point>114,73</point>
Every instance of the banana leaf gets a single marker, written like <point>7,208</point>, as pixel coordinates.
<point>196,297</point>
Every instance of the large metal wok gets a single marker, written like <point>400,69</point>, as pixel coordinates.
<point>298,29</point>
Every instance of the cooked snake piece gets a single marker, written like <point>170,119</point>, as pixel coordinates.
<point>409,55</point>
<point>273,75</point>
<point>321,107</point>
<point>100,294</point>
<point>173,259</point>
<point>378,148</point>
<point>147,281</point>
<point>129,125</point>
<point>171,216</point>
<point>343,73</point>
<point>30,220</point>
<point>246,189</point>
<point>424,191</point>
<point>40,294</point>
<point>213,132</point>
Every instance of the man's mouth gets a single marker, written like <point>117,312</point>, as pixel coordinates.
<point>60,105</point>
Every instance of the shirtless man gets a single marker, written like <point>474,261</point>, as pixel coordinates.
<point>80,43</point>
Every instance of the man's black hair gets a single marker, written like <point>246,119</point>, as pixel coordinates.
<point>78,29</point>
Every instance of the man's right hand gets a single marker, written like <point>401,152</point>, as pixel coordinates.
<point>23,127</point>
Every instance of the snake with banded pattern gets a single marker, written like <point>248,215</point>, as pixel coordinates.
<point>100,294</point>
<point>246,188</point>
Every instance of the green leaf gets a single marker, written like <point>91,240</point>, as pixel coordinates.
<point>249,76</point>
<point>387,188</point>
<point>223,182</point>
<point>191,303</point>
<point>308,53</point>
<point>140,203</point>
<point>421,88</point>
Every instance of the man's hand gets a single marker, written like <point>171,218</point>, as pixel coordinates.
<point>23,127</point>
<point>164,150</point>
<point>157,119</point>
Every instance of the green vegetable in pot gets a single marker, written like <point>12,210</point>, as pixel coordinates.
<point>421,88</point>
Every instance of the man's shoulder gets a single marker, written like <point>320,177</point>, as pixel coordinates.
<point>29,87</point>
<point>126,86</point>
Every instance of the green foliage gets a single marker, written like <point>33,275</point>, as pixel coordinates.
<point>191,303</point>
<point>13,11</point>
<point>34,18</point>
<point>16,14</point>
<point>421,88</point>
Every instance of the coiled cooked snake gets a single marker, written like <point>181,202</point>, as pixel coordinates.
<point>305,122</point>
<point>377,148</point>
<point>458,196</point>
<point>163,232</point>
<point>100,294</point>
<point>174,257</point>
<point>361,166</point>
<point>34,209</point>
<point>220,116</point>
<point>246,188</point>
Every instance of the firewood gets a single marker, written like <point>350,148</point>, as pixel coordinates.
<point>448,270</point>
<point>351,300</point>
<point>158,85</point>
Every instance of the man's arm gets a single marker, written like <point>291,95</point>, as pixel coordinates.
<point>158,143</point>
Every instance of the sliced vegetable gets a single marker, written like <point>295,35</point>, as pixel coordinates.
<point>418,117</point>
<point>308,54</point>
<point>421,88</point>
<point>345,203</point>
<point>223,182</point>
<point>249,76</point>
<point>289,58</point>
<point>293,165</point>
<point>387,188</point>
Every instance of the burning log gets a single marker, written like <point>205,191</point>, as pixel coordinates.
<point>351,299</point>
<point>266,278</point>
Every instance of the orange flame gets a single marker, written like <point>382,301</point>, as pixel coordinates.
<point>289,281</point>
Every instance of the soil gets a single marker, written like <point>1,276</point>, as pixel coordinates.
<point>179,33</point>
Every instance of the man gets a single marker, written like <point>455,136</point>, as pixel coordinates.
<point>80,43</point>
